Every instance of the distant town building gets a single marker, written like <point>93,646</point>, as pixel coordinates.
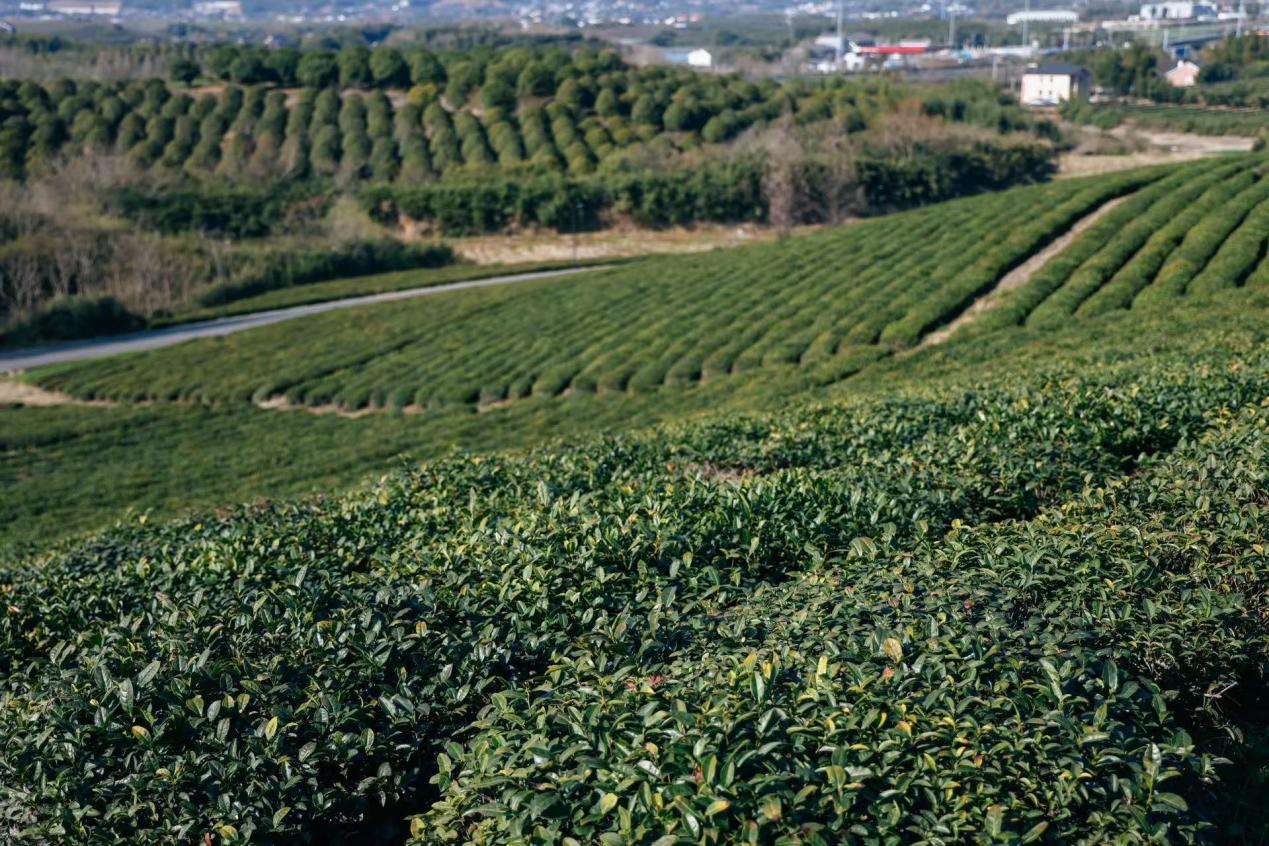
<point>1043,16</point>
<point>1048,85</point>
<point>85,8</point>
<point>1176,10</point>
<point>1184,75</point>
<point>700,58</point>
<point>7,28</point>
<point>696,58</point>
<point>218,8</point>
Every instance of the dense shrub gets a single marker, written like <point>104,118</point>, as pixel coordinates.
<point>71,318</point>
<point>235,212</point>
<point>281,268</point>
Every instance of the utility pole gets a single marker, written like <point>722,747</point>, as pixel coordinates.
<point>1242,12</point>
<point>1026,22</point>
<point>951,26</point>
<point>841,45</point>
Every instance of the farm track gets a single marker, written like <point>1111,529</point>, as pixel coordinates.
<point>43,356</point>
<point>1019,276</point>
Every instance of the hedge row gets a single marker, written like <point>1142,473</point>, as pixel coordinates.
<point>1092,274</point>
<point>1219,200</point>
<point>282,268</point>
<point>730,191</point>
<point>941,300</point>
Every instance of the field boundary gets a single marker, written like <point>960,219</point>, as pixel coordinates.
<point>1020,275</point>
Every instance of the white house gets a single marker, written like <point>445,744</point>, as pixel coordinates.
<point>700,58</point>
<point>1176,10</point>
<point>1184,75</point>
<point>1048,85</point>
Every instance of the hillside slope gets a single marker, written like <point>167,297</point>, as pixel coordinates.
<point>666,339</point>
<point>1021,601</point>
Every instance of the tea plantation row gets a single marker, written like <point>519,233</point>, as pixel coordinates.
<point>1196,119</point>
<point>821,303</point>
<point>1030,609</point>
<point>1200,229</point>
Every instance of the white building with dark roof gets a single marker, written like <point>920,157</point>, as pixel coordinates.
<point>1050,84</point>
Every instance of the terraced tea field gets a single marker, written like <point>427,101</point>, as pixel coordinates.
<point>1198,230</point>
<point>994,607</point>
<point>1197,119</point>
<point>773,571</point>
<point>827,304</point>
<point>659,340</point>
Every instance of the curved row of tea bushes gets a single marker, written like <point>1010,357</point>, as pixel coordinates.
<point>663,321</point>
<point>1221,246</point>
<point>1231,197</point>
<point>1098,270</point>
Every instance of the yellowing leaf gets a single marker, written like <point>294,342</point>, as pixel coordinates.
<point>416,827</point>
<point>271,728</point>
<point>607,803</point>
<point>140,732</point>
<point>893,649</point>
<point>1034,833</point>
<point>717,807</point>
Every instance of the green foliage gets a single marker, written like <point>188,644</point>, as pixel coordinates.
<point>1179,118</point>
<point>816,306</point>
<point>236,212</point>
<point>591,106</point>
<point>752,626</point>
<point>388,69</point>
<point>283,268</point>
<point>317,70</point>
<point>354,67</point>
<point>1000,588</point>
<point>70,319</point>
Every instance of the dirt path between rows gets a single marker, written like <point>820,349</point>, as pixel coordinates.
<point>1019,276</point>
<point>20,393</point>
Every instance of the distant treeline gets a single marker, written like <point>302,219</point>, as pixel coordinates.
<point>1232,73</point>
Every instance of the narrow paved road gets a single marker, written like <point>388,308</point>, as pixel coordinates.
<point>25,359</point>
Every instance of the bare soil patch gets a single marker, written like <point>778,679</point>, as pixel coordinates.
<point>1157,148</point>
<point>20,393</point>
<point>281,403</point>
<point>608,243</point>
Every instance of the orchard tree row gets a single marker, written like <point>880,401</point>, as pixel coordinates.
<point>618,119</point>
